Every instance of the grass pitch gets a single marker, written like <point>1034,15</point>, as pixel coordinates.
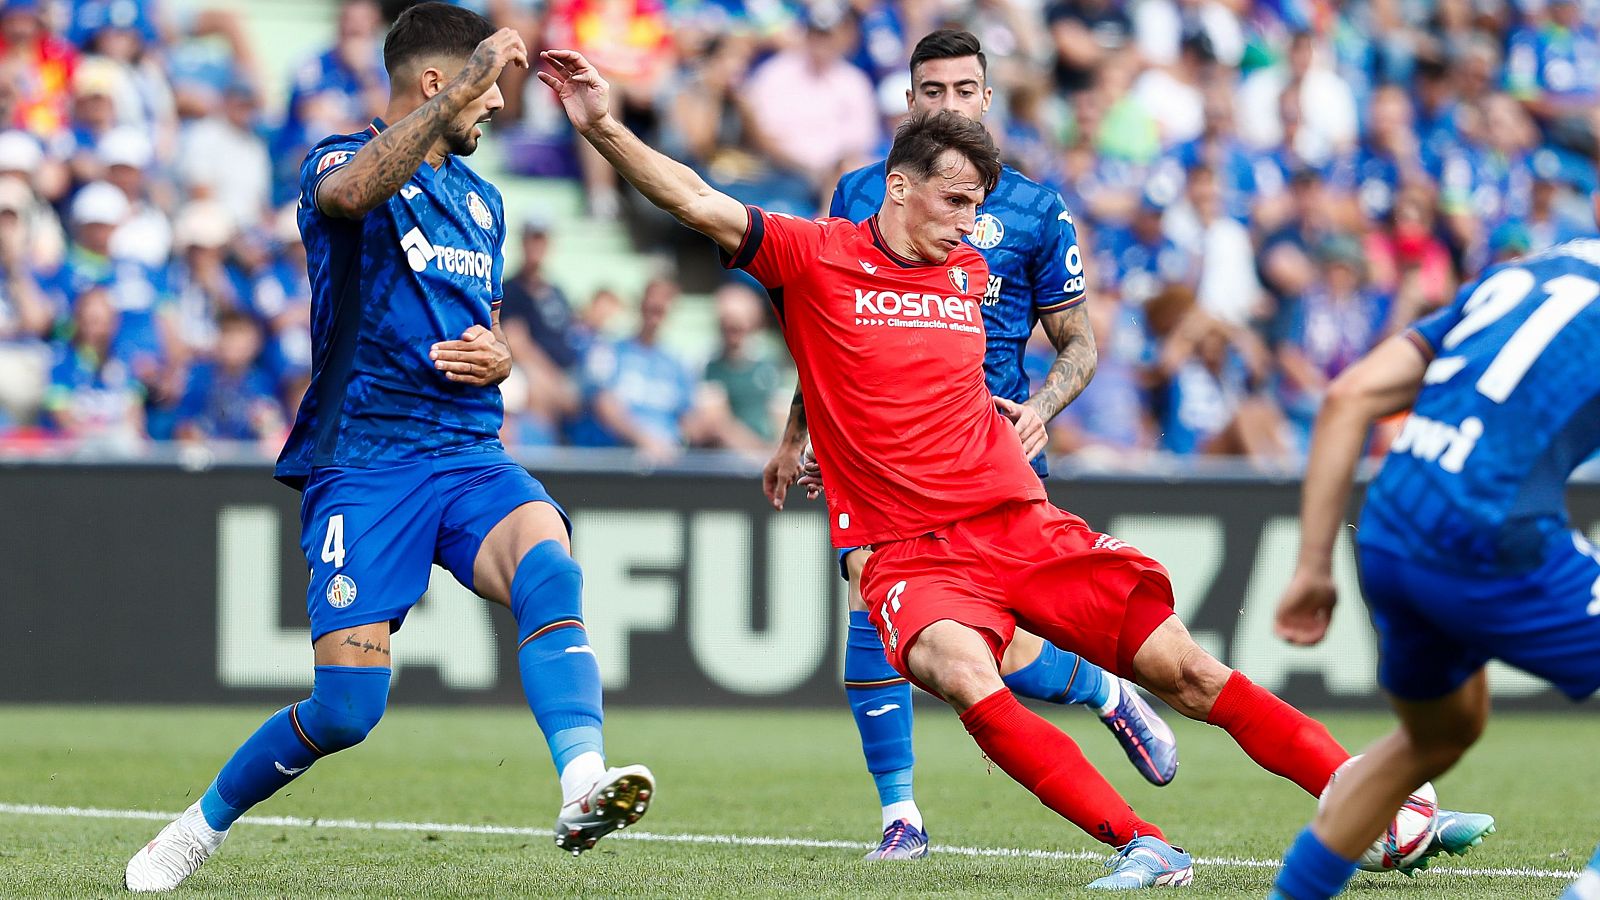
<point>787,788</point>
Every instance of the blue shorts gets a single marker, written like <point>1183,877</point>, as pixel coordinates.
<point>1436,628</point>
<point>371,536</point>
<point>844,572</point>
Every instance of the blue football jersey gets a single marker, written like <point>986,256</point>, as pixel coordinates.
<point>1027,237</point>
<point>1509,407</point>
<point>423,267</point>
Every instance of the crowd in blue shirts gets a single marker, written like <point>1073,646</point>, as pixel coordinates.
<point>1262,190</point>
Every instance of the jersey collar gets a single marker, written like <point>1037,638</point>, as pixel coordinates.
<point>883,247</point>
<point>377,126</point>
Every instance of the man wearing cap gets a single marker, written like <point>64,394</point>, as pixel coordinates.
<point>145,235</point>
<point>223,155</point>
<point>21,158</point>
<point>25,316</point>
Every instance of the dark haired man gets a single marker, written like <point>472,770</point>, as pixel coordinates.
<point>926,466</point>
<point>396,447</point>
<point>1036,274</point>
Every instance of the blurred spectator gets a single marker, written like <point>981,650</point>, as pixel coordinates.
<point>1084,34</point>
<point>39,65</point>
<point>229,397</point>
<point>1330,326</point>
<point>1554,69</point>
<point>637,394</point>
<point>1558,207</point>
<point>1285,258</point>
<point>541,330</point>
<point>223,156</point>
<point>144,337</point>
<point>1108,421</point>
<point>281,297</point>
<point>1326,103</point>
<point>629,41</point>
<point>814,114</point>
<point>202,284</point>
<point>94,397</point>
<point>1141,258</point>
<point>25,317</point>
<point>337,91</point>
<point>1162,25</point>
<point>145,235</point>
<point>1227,287</point>
<point>1407,260</point>
<point>21,161</point>
<point>1174,95</point>
<point>1213,373</point>
<point>1488,179</point>
<point>743,379</point>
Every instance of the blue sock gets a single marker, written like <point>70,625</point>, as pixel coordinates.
<point>560,675</point>
<point>880,700</point>
<point>1587,887</point>
<point>1060,677</point>
<point>1311,871</point>
<point>345,703</point>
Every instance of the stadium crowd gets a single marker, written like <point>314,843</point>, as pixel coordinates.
<point>1262,190</point>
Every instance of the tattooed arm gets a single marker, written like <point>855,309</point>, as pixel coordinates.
<point>389,160</point>
<point>784,466</point>
<point>1073,338</point>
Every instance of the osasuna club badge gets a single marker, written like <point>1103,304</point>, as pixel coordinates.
<point>479,211</point>
<point>987,232</point>
<point>958,277</point>
<point>341,591</point>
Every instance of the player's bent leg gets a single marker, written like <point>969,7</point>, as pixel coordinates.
<point>1369,792</point>
<point>347,699</point>
<point>560,675</point>
<point>1439,733</point>
<point>1278,737</point>
<point>1033,667</point>
<point>957,663</point>
<point>880,702</point>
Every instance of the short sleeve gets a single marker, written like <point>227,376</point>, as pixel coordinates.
<point>1429,331</point>
<point>497,276</point>
<point>1058,281</point>
<point>321,162</point>
<point>776,247</point>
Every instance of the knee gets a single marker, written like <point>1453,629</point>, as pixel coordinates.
<point>854,563</point>
<point>1198,680</point>
<point>1436,753</point>
<point>963,682</point>
<point>345,706</point>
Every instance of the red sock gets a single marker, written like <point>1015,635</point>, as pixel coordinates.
<point>1045,761</point>
<point>1281,739</point>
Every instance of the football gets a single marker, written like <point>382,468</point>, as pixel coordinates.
<point>1407,836</point>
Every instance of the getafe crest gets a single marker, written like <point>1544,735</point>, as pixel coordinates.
<point>987,232</point>
<point>958,277</point>
<point>479,211</point>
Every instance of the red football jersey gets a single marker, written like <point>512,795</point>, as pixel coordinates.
<point>890,353</point>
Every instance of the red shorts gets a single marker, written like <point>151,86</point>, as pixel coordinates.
<point>1027,564</point>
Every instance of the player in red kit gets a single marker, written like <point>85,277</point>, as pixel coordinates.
<point>923,463</point>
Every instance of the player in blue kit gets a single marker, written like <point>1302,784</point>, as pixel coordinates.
<point>396,450</point>
<point>1035,275</point>
<point>1465,548</point>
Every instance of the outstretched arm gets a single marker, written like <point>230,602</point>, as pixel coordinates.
<point>389,160</point>
<point>667,183</point>
<point>1384,382</point>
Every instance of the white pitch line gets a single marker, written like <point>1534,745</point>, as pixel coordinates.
<point>732,840</point>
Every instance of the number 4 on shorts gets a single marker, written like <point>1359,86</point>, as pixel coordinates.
<point>333,543</point>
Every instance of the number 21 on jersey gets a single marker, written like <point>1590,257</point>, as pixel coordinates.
<point>1565,297</point>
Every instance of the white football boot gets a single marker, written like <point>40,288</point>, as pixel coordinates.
<point>617,799</point>
<point>175,854</point>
